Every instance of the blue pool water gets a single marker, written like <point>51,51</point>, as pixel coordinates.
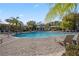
<point>40,34</point>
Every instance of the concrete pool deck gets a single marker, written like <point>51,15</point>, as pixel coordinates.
<point>31,47</point>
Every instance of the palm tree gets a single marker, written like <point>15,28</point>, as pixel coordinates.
<point>60,9</point>
<point>21,26</point>
<point>14,22</point>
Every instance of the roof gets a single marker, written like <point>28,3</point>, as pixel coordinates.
<point>3,22</point>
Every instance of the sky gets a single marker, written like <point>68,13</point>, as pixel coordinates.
<point>26,11</point>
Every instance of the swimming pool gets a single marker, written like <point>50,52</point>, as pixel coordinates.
<point>41,34</point>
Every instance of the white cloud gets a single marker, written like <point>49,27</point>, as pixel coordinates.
<point>35,6</point>
<point>21,15</point>
<point>31,19</point>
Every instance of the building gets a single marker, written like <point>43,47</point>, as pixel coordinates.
<point>40,27</point>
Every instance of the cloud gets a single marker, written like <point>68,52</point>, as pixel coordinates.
<point>21,15</point>
<point>31,19</point>
<point>35,6</point>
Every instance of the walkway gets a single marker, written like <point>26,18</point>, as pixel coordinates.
<point>32,47</point>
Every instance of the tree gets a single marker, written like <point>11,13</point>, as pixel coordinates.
<point>60,9</point>
<point>13,20</point>
<point>47,26</point>
<point>14,23</point>
<point>69,21</point>
<point>31,25</point>
<point>21,26</point>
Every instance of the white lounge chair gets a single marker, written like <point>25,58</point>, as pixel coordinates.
<point>75,38</point>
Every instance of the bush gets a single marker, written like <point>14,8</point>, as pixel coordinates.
<point>72,50</point>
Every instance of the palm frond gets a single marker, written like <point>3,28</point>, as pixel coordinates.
<point>59,10</point>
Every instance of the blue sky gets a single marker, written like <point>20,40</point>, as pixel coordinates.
<point>26,12</point>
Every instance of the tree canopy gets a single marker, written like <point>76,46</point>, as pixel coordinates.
<point>31,25</point>
<point>69,21</point>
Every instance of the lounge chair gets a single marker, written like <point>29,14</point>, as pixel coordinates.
<point>75,39</point>
<point>68,40</point>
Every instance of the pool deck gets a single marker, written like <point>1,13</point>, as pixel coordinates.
<point>13,46</point>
